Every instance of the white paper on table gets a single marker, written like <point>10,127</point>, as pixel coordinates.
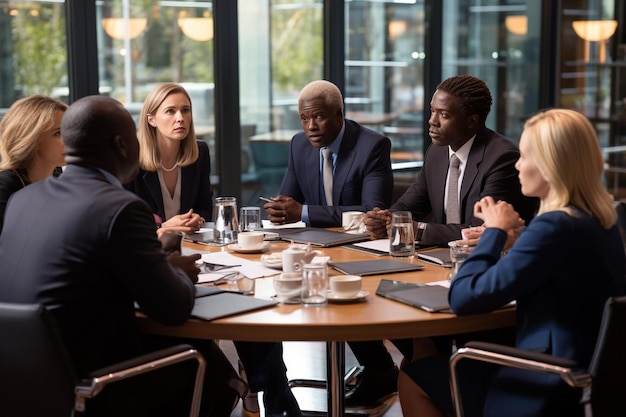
<point>295,225</point>
<point>443,283</point>
<point>381,245</point>
<point>213,276</point>
<point>249,269</point>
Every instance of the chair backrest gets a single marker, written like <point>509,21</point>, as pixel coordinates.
<point>36,375</point>
<point>608,365</point>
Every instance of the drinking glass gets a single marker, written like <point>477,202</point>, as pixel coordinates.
<point>314,281</point>
<point>459,252</point>
<point>250,219</point>
<point>401,238</point>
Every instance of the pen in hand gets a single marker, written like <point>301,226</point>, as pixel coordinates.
<point>267,200</point>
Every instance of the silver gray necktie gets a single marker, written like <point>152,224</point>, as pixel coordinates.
<point>327,175</point>
<point>452,206</point>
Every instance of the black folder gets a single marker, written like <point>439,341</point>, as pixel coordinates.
<point>320,237</point>
<point>431,298</point>
<point>374,267</point>
<point>440,257</point>
<point>214,303</point>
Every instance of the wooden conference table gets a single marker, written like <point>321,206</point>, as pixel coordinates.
<point>374,319</point>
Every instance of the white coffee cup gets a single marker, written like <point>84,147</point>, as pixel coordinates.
<point>345,286</point>
<point>351,220</point>
<point>250,240</point>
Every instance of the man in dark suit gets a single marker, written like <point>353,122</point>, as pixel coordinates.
<point>459,109</point>
<point>361,164</point>
<point>360,167</point>
<point>86,249</point>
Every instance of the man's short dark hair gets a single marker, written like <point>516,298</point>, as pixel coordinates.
<point>472,92</point>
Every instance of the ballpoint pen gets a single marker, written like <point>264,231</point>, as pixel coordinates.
<point>267,200</point>
<point>211,267</point>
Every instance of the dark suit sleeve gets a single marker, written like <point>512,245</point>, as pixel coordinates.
<point>290,186</point>
<point>163,292</point>
<point>499,181</point>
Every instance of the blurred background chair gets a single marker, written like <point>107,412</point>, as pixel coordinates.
<point>38,378</point>
<point>270,163</point>
<point>603,383</point>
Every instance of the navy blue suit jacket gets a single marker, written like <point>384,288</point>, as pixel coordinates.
<point>362,179</point>
<point>561,271</point>
<point>195,187</point>
<point>490,171</point>
<point>87,250</point>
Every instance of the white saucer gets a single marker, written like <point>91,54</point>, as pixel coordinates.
<point>275,260</point>
<point>360,296</point>
<point>263,248</point>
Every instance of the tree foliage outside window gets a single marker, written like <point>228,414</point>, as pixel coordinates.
<point>40,56</point>
<point>297,44</point>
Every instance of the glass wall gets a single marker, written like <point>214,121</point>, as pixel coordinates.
<point>280,51</point>
<point>532,54</point>
<point>384,77</point>
<point>592,70</point>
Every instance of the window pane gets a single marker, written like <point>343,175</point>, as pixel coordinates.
<point>498,42</point>
<point>281,50</point>
<point>592,69</point>
<point>142,43</point>
<point>385,75</point>
<point>33,50</point>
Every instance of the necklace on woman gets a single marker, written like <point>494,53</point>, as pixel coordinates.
<point>170,169</point>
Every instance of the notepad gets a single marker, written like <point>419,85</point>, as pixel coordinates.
<point>374,267</point>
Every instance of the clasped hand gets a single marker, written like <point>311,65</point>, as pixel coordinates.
<point>498,214</point>
<point>187,223</point>
<point>378,222</point>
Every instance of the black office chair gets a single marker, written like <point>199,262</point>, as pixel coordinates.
<point>604,383</point>
<point>37,377</point>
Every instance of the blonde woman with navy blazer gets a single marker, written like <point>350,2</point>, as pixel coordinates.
<point>560,272</point>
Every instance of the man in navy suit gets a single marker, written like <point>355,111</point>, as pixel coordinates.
<point>361,180</point>
<point>87,249</point>
<point>362,177</point>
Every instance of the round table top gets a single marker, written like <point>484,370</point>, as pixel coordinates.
<point>374,318</point>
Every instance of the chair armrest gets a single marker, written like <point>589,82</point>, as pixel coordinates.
<point>513,353</point>
<point>97,380</point>
<point>567,369</point>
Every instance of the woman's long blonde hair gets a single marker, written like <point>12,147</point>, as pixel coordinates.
<point>23,125</point>
<point>149,155</point>
<point>565,147</point>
